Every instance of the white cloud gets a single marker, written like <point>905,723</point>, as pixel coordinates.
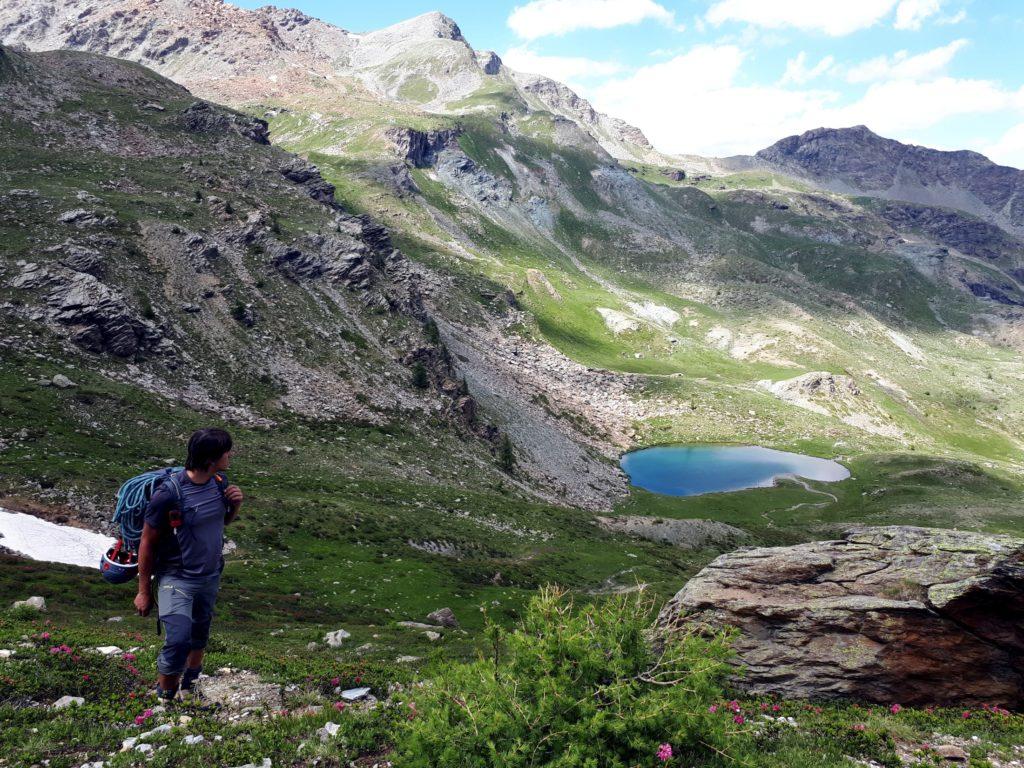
<point>901,65</point>
<point>567,69</point>
<point>798,73</point>
<point>1009,149</point>
<point>692,103</point>
<point>833,17</point>
<point>910,14</point>
<point>898,106</point>
<point>956,18</point>
<point>540,18</point>
<point>695,103</point>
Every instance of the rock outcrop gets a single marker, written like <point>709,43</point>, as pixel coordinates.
<point>889,614</point>
<point>307,175</point>
<point>420,148</point>
<point>685,533</point>
<point>201,117</point>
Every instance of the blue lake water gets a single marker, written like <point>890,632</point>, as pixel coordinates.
<point>689,470</point>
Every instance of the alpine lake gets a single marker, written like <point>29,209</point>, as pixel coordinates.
<point>691,470</point>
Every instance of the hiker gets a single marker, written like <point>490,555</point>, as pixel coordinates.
<point>180,550</point>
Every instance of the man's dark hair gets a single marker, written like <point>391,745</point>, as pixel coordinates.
<point>206,446</point>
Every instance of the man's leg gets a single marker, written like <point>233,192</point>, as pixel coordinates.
<point>202,616</point>
<point>174,604</point>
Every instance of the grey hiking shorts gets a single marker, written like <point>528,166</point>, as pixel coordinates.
<point>185,606</point>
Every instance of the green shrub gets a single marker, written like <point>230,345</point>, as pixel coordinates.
<point>420,380</point>
<point>506,454</point>
<point>572,686</point>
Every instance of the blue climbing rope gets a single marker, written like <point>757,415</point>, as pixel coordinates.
<point>132,499</point>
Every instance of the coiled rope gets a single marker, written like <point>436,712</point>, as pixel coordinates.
<point>132,499</point>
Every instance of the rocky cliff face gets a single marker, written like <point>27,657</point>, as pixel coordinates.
<point>859,160</point>
<point>891,615</point>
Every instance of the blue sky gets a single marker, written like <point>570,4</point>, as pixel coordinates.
<point>719,77</point>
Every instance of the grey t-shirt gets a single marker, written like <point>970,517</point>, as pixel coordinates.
<point>194,548</point>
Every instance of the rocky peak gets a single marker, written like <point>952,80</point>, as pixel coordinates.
<point>424,27</point>
<point>859,160</point>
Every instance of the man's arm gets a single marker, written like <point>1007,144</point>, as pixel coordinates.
<point>233,496</point>
<point>147,555</point>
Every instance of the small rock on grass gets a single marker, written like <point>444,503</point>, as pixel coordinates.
<point>329,731</point>
<point>354,694</point>
<point>63,382</point>
<point>37,602</point>
<point>952,753</point>
<point>334,639</point>
<point>267,763</point>
<point>68,701</point>
<point>193,739</point>
<point>444,617</point>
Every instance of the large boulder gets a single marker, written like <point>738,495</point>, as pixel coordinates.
<point>890,614</point>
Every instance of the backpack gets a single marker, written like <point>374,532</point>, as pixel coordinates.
<point>121,562</point>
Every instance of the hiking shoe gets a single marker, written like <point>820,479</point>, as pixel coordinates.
<point>189,678</point>
<point>163,695</point>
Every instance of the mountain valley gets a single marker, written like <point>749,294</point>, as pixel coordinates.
<point>436,299</point>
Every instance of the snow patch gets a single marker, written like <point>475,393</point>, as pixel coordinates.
<point>42,540</point>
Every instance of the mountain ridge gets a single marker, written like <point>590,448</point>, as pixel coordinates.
<point>217,50</point>
<point>858,160</point>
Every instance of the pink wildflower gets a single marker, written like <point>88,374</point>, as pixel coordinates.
<point>859,727</point>
<point>895,708</point>
<point>129,657</point>
<point>335,681</point>
<point>738,719</point>
<point>339,705</point>
<point>734,705</point>
<point>139,719</point>
<point>776,708</point>
<point>664,753</point>
<point>966,715</point>
<point>44,636</point>
<point>713,708</point>
<point>85,678</point>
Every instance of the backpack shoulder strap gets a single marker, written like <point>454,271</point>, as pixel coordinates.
<point>174,478</point>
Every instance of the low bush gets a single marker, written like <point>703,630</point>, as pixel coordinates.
<point>574,685</point>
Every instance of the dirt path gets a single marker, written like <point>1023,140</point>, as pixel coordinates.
<point>807,487</point>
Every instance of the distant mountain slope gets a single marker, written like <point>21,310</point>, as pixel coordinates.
<point>858,160</point>
<point>592,304</point>
<point>233,55</point>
